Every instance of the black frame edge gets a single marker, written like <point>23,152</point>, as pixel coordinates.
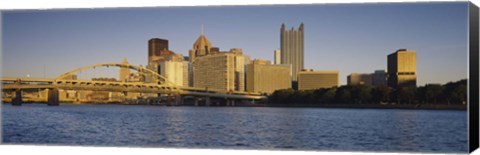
<point>473,103</point>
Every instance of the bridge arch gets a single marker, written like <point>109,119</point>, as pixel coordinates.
<point>159,79</point>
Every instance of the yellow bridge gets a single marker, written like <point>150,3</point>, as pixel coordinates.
<point>159,85</point>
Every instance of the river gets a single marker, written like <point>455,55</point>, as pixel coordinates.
<point>270,128</point>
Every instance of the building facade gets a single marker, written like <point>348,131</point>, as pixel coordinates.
<point>309,79</point>
<point>264,77</point>
<point>379,78</point>
<point>124,72</point>
<point>174,71</point>
<point>277,57</point>
<point>157,48</point>
<point>402,68</point>
<point>223,71</point>
<point>291,49</point>
<point>201,47</point>
<point>360,79</point>
<point>165,62</point>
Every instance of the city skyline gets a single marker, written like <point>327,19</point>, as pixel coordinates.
<point>331,41</point>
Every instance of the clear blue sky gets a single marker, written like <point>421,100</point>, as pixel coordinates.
<point>345,37</point>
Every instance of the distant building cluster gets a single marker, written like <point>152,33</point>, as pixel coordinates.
<point>207,67</point>
<point>402,72</point>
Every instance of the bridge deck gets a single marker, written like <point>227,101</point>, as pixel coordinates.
<point>32,83</point>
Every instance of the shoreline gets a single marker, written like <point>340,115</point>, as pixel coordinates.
<point>378,106</point>
<point>341,106</point>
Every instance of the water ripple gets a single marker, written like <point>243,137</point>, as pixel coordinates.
<point>239,127</point>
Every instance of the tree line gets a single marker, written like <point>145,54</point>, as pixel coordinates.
<point>450,93</point>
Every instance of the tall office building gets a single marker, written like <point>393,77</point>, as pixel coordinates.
<point>359,79</point>
<point>224,71</point>
<point>157,48</point>
<point>276,57</point>
<point>201,47</point>
<point>124,72</point>
<point>309,79</point>
<point>402,68</point>
<point>264,77</point>
<point>291,48</point>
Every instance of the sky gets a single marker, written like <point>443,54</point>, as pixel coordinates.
<point>350,38</point>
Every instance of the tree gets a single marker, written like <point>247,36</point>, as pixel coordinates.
<point>433,92</point>
<point>408,94</point>
<point>404,94</point>
<point>455,92</point>
<point>281,96</point>
<point>343,94</point>
<point>381,94</point>
<point>360,93</point>
<point>329,95</point>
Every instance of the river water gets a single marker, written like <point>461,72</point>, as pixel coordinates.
<point>237,127</point>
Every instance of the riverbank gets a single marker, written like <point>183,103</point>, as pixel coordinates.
<point>377,106</point>
<point>346,106</point>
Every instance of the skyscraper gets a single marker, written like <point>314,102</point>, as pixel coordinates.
<point>402,68</point>
<point>201,47</point>
<point>291,49</point>
<point>156,48</point>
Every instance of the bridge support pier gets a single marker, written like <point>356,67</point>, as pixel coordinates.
<point>230,102</point>
<point>207,101</point>
<point>196,102</point>
<point>53,98</point>
<point>178,99</point>
<point>18,97</point>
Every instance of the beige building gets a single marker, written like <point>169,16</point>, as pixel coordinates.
<point>402,68</point>
<point>186,74</point>
<point>309,79</point>
<point>201,47</point>
<point>277,57</point>
<point>220,71</point>
<point>175,71</point>
<point>124,72</point>
<point>264,77</point>
<point>359,79</point>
